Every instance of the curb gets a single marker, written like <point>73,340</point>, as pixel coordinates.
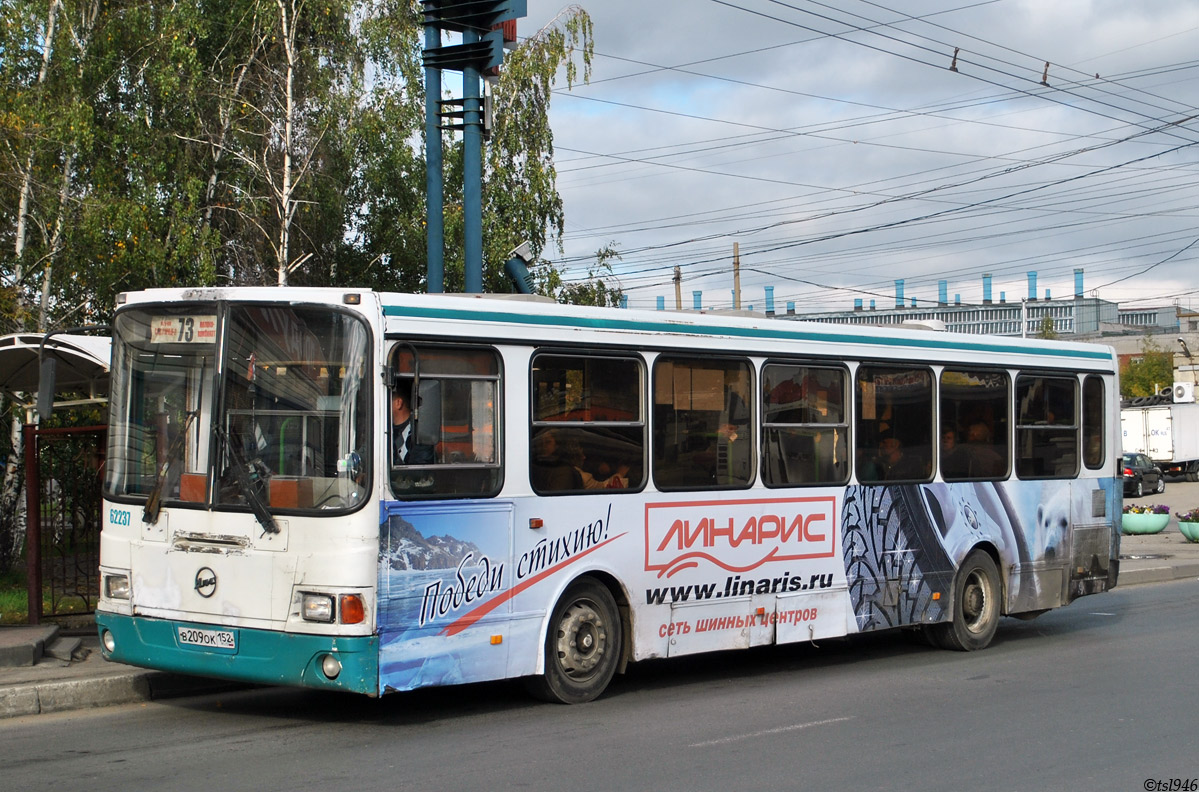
<point>37,698</point>
<point>1158,574</point>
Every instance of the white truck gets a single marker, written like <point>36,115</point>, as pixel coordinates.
<point>1167,433</point>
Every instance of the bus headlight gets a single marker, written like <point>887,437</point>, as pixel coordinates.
<point>116,586</point>
<point>317,608</point>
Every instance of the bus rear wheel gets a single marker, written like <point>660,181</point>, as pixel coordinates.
<point>582,645</point>
<point>976,606</point>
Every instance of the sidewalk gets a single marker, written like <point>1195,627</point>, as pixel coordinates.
<point>58,685</point>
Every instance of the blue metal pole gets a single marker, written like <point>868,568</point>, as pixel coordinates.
<point>472,171</point>
<point>434,212</point>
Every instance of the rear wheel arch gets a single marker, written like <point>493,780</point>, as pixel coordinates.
<point>584,641</point>
<point>976,602</point>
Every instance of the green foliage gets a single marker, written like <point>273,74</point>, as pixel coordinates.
<point>521,201</point>
<point>145,142</point>
<point>1047,330</point>
<point>593,290</point>
<point>1153,369</point>
<point>14,598</point>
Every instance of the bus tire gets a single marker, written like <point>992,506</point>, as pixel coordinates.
<point>976,605</point>
<point>582,645</point>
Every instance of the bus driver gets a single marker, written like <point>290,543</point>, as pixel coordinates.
<point>405,449</point>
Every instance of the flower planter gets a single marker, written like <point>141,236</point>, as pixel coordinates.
<point>1190,530</point>
<point>1144,523</point>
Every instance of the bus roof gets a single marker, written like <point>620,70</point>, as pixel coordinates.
<point>519,318</point>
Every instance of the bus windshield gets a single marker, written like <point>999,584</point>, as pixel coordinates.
<point>287,416</point>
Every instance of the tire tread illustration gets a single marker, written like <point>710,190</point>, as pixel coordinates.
<point>888,558</point>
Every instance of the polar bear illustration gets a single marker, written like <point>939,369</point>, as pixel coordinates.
<point>1053,523</point>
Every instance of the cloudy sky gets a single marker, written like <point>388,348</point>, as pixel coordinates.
<point>833,142</point>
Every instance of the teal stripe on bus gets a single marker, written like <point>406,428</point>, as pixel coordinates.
<point>581,322</point>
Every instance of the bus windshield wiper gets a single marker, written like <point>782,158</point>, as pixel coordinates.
<point>154,501</point>
<point>241,471</point>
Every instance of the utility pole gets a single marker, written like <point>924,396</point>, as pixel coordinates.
<point>736,276</point>
<point>434,185</point>
<point>678,288</point>
<point>481,24</point>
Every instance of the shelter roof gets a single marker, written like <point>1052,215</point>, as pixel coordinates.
<point>81,371</point>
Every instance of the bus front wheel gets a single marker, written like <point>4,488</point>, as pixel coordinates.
<point>976,606</point>
<point>582,645</point>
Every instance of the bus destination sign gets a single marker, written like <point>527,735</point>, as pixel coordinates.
<point>183,329</point>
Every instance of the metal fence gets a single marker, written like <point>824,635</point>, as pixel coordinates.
<point>63,469</point>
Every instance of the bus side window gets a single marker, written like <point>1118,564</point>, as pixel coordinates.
<point>805,426</point>
<point>588,423</point>
<point>1092,422</point>
<point>975,440</point>
<point>442,439</point>
<point>894,437</point>
<point>704,428</point>
<point>1046,426</point>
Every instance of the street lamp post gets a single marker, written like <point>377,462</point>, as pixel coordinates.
<point>1190,360</point>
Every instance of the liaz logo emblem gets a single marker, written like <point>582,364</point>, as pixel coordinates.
<point>205,582</point>
<point>737,535</point>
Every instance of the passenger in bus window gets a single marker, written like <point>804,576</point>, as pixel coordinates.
<point>575,456</point>
<point>985,461</point>
<point>547,469</point>
<point>894,464</point>
<point>733,447</point>
<point>955,463</point>
<point>405,449</point>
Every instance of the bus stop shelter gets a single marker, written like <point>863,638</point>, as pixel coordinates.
<point>82,369</point>
<point>62,468</point>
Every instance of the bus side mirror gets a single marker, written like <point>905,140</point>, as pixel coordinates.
<point>45,389</point>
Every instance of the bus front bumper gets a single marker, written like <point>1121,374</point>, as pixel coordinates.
<point>246,655</point>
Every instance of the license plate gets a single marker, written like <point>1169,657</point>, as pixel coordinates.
<point>215,640</point>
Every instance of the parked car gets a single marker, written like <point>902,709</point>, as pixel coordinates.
<point>1141,475</point>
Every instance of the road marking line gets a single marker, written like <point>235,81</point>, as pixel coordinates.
<point>779,730</point>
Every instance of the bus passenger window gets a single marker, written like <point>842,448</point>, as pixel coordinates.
<point>444,410</point>
<point>894,438</point>
<point>1046,427</point>
<point>1092,422</point>
<point>974,425</point>
<point>588,424</point>
<point>805,427</point>
<point>703,424</point>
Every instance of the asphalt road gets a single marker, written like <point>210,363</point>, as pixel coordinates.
<point>1099,695</point>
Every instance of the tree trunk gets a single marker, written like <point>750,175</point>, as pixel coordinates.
<point>64,193</point>
<point>27,176</point>
<point>286,207</point>
<point>12,505</point>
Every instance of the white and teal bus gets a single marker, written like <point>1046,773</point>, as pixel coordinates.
<point>580,488</point>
